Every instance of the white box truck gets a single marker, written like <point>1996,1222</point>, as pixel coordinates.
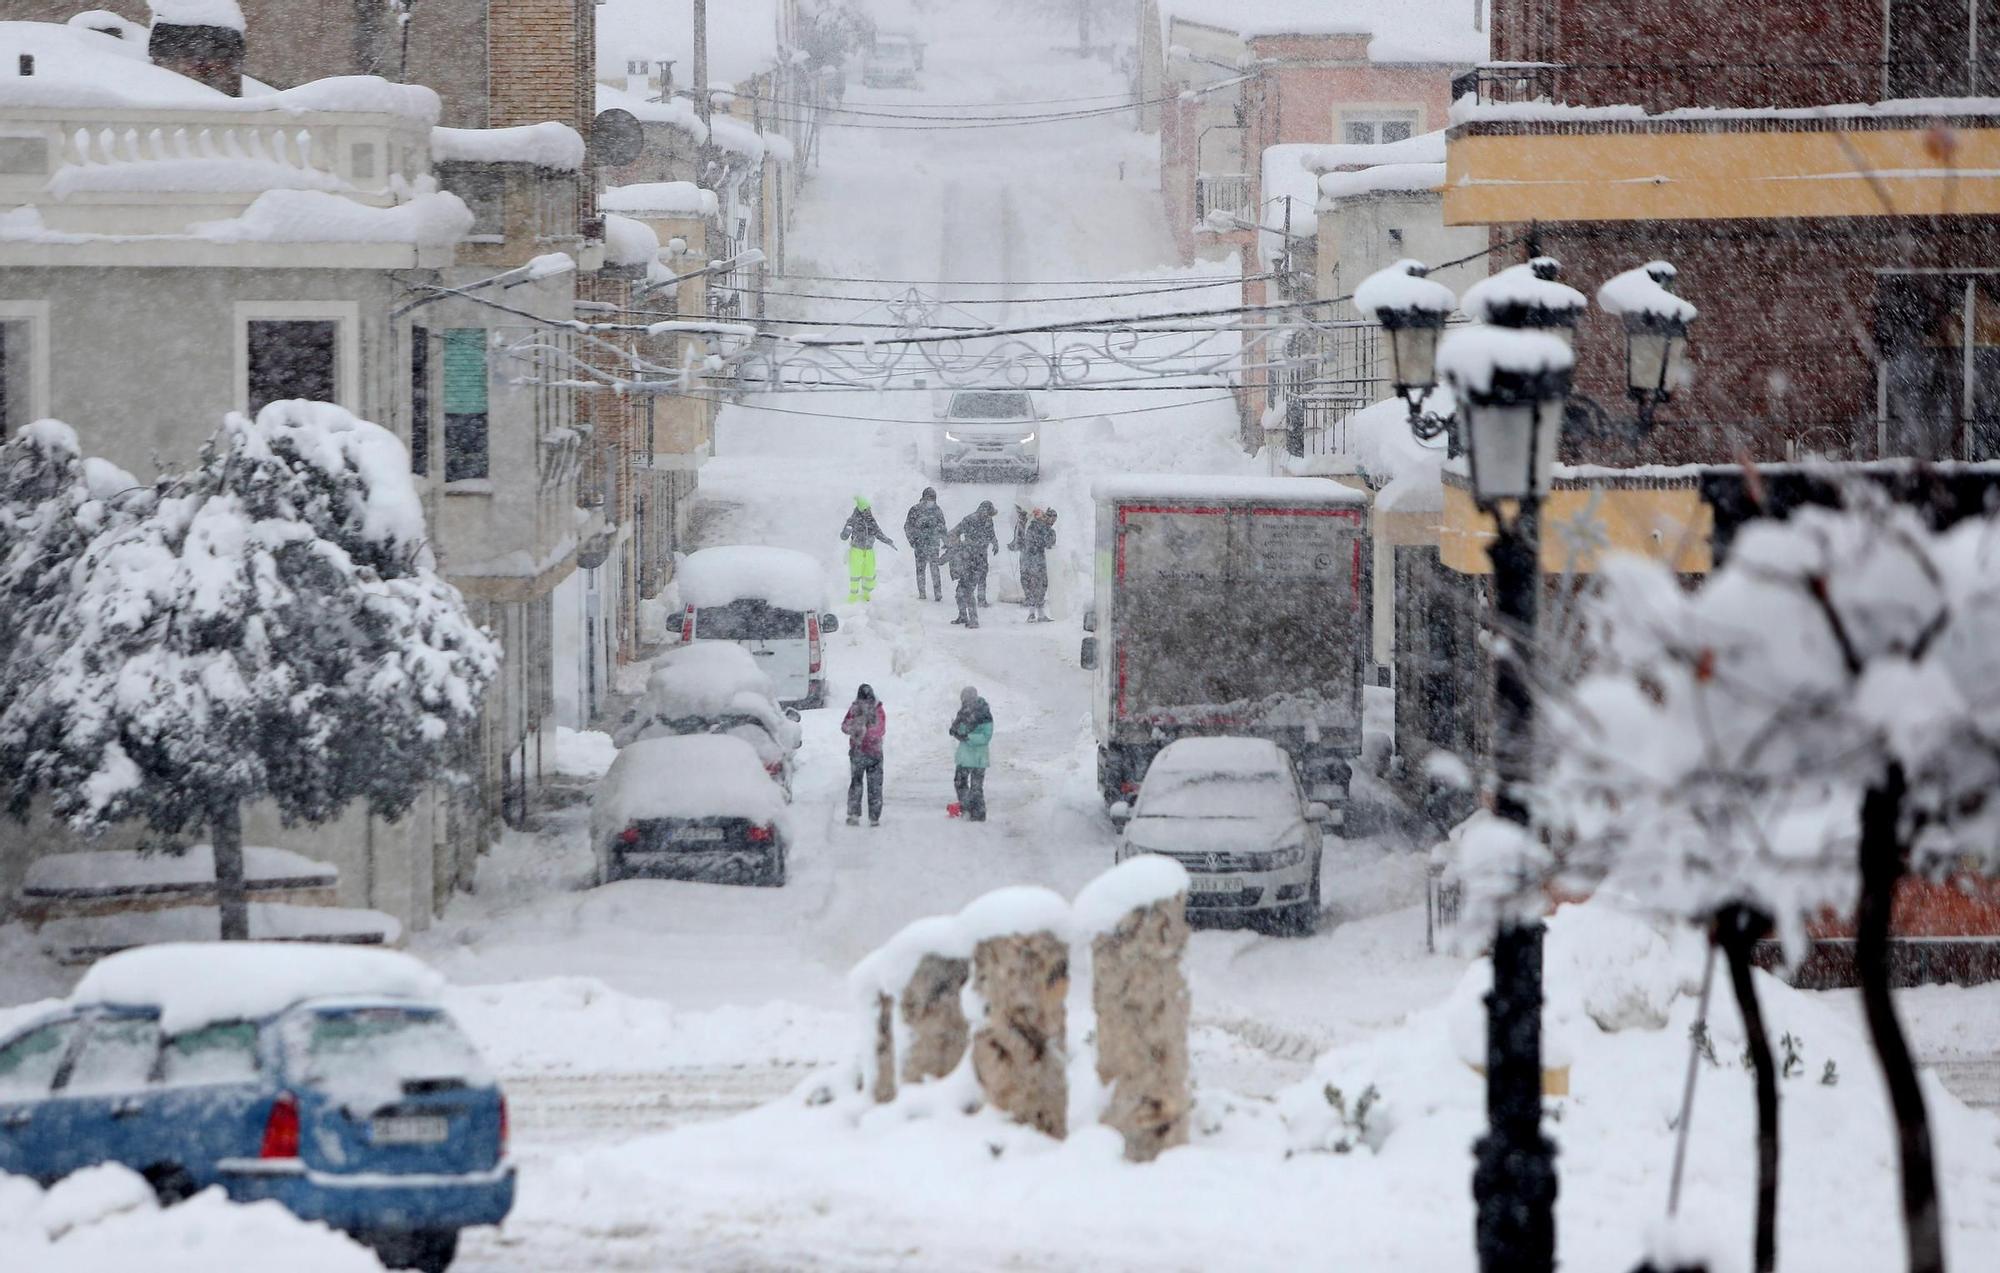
<point>1235,606</point>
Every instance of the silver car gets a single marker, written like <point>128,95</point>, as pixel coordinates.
<point>1231,812</point>
<point>989,433</point>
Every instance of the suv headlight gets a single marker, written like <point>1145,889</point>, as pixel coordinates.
<point>1028,439</point>
<point>949,436</point>
<point>1279,859</point>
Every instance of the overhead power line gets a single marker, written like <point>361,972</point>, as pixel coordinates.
<point>1003,300</point>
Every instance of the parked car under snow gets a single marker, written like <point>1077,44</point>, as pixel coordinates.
<point>325,1078</point>
<point>697,807</point>
<point>717,687</point>
<point>1230,810</point>
<point>771,602</point>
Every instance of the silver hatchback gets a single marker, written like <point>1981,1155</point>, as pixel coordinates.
<point>989,433</point>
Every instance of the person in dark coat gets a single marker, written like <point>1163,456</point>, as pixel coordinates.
<point>865,723</point>
<point>1037,537</point>
<point>977,531</point>
<point>925,528</point>
<point>973,728</point>
<point>862,533</point>
<point>967,560</point>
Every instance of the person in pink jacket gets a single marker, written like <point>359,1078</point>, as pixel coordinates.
<point>865,723</point>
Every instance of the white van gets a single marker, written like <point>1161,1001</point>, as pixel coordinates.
<point>770,601</point>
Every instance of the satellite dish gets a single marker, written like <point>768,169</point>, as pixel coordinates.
<point>615,138</point>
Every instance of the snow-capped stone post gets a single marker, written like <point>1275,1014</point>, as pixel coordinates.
<point>931,1005</point>
<point>1136,916</point>
<point>1020,977</point>
<point>883,1088</point>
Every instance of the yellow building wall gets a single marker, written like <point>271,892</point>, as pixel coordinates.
<point>1581,524</point>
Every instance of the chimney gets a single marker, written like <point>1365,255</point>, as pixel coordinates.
<point>201,39</point>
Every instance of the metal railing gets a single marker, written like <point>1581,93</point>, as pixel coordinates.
<point>1661,86</point>
<point>1224,192</point>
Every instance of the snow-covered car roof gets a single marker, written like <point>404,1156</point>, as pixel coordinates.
<point>690,680</point>
<point>783,577</point>
<point>1229,490</point>
<point>194,984</point>
<point>687,776</point>
<point>1236,757</point>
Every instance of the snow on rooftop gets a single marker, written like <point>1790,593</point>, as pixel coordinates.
<point>742,37</point>
<point>545,145</point>
<point>1400,30</point>
<point>1403,286</point>
<point>196,983</point>
<point>1136,882</point>
<point>731,133</point>
<point>659,199</point>
<point>1383,179</point>
<point>129,39</point>
<point>1008,912</point>
<point>314,216</point>
<point>197,13</point>
<point>784,577</point>
<point>1640,291</point>
<point>1518,286</point>
<point>628,242</point>
<point>684,776</point>
<point>1237,490</point>
<point>1424,148</point>
<point>1471,357</point>
<point>677,112</point>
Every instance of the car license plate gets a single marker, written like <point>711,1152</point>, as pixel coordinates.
<point>1215,883</point>
<point>410,1129</point>
<point>699,833</point>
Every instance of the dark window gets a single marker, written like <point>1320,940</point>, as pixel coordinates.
<point>1939,337</point>
<point>465,441</point>
<point>420,400</point>
<point>291,358</point>
<point>749,620</point>
<point>8,357</point>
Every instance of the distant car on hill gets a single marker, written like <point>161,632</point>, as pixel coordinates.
<point>986,433</point>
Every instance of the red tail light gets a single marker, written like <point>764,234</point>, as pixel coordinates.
<point>812,641</point>
<point>759,835</point>
<point>776,769</point>
<point>503,1126</point>
<point>630,835</point>
<point>1127,788</point>
<point>281,1129</point>
<point>687,625</point>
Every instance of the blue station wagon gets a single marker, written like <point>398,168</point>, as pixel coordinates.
<point>368,1111</point>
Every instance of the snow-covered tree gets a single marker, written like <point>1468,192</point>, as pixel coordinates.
<point>1816,720</point>
<point>268,626</point>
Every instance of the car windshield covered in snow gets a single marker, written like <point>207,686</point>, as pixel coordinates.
<point>750,620</point>
<point>1219,778</point>
<point>988,405</point>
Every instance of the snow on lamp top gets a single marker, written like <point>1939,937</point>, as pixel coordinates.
<point>1401,288</point>
<point>1522,288</point>
<point>1472,358</point>
<point>197,13</point>
<point>1642,293</point>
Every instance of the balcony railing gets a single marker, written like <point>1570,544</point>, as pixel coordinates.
<point>1227,193</point>
<point>1663,86</point>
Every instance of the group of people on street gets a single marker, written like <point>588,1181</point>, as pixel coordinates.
<point>867,722</point>
<point>965,550</point>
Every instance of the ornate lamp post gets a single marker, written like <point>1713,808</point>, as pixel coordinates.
<point>1412,309</point>
<point>1656,327</point>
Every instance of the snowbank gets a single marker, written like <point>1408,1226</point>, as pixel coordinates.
<point>125,870</point>
<point>106,1217</point>
<point>198,983</point>
<point>659,199</point>
<point>311,216</point>
<point>785,578</point>
<point>696,776</point>
<point>629,243</point>
<point>1233,490</point>
<point>583,753</point>
<point>545,145</point>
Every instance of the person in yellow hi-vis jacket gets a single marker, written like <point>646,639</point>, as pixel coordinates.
<point>862,534</point>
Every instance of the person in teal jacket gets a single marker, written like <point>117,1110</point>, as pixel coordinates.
<point>973,728</point>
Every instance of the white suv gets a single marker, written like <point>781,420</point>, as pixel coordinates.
<point>989,432</point>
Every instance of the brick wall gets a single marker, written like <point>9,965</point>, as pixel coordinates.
<point>543,57</point>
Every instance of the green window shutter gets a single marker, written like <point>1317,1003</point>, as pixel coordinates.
<point>465,371</point>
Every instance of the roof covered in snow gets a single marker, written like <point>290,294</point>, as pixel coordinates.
<point>677,112</point>
<point>742,37</point>
<point>784,577</point>
<point>1383,179</point>
<point>659,199</point>
<point>1401,30</point>
<point>546,145</point>
<point>628,242</point>
<point>1424,148</point>
<point>196,983</point>
<point>1233,490</point>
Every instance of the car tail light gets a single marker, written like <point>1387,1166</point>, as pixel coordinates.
<point>759,835</point>
<point>687,625</point>
<point>281,1129</point>
<point>630,835</point>
<point>1127,788</point>
<point>812,641</point>
<point>776,769</point>
<point>503,1126</point>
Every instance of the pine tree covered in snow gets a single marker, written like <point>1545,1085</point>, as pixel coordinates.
<point>1814,721</point>
<point>268,626</point>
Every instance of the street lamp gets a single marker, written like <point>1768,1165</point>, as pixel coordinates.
<point>1529,296</point>
<point>1412,309</point>
<point>1656,328</point>
<point>1511,385</point>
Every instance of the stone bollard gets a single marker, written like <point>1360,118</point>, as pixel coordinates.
<point>934,1018</point>
<point>1020,972</point>
<point>1137,915</point>
<point>885,1049</point>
